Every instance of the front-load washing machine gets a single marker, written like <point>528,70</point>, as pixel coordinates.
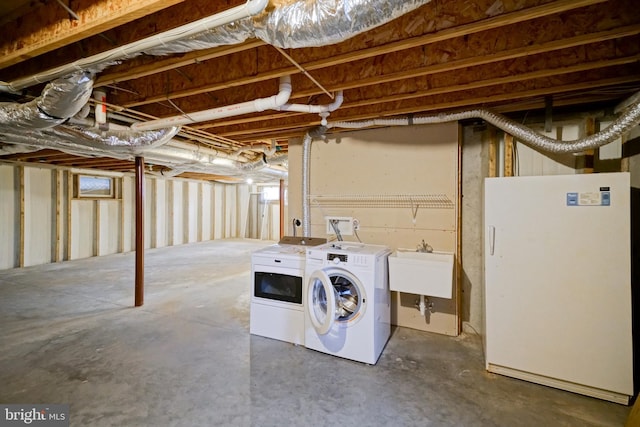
<point>348,302</point>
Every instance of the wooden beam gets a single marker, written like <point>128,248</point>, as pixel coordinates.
<point>493,152</point>
<point>446,34</point>
<point>122,200</point>
<point>281,202</point>
<point>426,108</point>
<point>58,221</point>
<point>97,219</point>
<point>48,28</point>
<point>69,216</point>
<point>624,162</point>
<point>139,271</point>
<point>154,213</point>
<point>539,74</point>
<point>547,72</point>
<point>508,154</point>
<point>159,65</point>
<point>461,64</point>
<point>22,216</point>
<point>200,210</point>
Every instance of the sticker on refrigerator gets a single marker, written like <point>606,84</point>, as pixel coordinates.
<point>601,198</point>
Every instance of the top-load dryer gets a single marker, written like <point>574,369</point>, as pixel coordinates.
<point>348,302</point>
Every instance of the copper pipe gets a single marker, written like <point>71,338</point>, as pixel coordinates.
<point>281,208</point>
<point>139,293</point>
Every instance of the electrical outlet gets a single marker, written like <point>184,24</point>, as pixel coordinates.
<point>344,224</point>
<point>356,224</point>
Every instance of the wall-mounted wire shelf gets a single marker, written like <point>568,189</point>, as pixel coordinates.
<point>413,201</point>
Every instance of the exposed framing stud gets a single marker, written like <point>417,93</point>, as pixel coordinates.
<point>22,216</point>
<point>493,152</point>
<point>508,154</point>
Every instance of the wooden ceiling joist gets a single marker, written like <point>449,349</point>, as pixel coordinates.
<point>447,55</point>
<point>446,34</point>
<point>50,26</point>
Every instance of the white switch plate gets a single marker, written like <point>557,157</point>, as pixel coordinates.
<point>345,225</point>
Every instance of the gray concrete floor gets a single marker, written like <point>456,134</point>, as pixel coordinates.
<point>69,334</point>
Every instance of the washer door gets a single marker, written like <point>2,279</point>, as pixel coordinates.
<point>334,296</point>
<point>321,301</point>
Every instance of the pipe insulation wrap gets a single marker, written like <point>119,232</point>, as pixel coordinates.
<point>623,124</point>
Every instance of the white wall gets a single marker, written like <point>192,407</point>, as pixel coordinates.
<point>9,218</point>
<point>177,211</point>
<point>394,161</point>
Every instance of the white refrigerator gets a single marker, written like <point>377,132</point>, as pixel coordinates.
<point>558,282</point>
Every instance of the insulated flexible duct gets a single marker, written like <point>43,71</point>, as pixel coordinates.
<point>98,62</point>
<point>302,23</point>
<point>60,99</point>
<point>623,124</point>
<point>295,24</point>
<point>83,142</point>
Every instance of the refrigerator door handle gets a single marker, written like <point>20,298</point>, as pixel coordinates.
<point>492,239</point>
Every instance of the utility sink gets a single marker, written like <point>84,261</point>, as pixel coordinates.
<point>421,273</point>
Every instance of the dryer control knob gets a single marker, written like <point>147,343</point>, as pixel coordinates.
<point>336,260</point>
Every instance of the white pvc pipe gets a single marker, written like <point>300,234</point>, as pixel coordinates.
<point>304,108</point>
<point>250,8</point>
<point>100,109</point>
<point>260,104</point>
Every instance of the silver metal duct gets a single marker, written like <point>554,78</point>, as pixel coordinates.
<point>295,24</point>
<point>92,142</point>
<point>60,99</point>
<point>100,61</point>
<point>309,23</point>
<point>623,124</point>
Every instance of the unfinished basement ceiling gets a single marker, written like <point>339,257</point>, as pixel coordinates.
<point>509,55</point>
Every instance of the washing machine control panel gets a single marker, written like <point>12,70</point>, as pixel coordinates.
<point>337,258</point>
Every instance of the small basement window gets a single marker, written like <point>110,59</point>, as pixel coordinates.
<point>94,186</point>
<point>271,194</point>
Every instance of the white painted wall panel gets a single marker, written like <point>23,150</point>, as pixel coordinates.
<point>219,211</point>
<point>274,221</point>
<point>109,226</point>
<point>529,162</point>
<point>9,218</point>
<point>178,213</point>
<point>191,211</point>
<point>83,215</point>
<point>242,203</point>
<point>207,211</point>
<point>394,161</point>
<point>148,203</point>
<point>129,222</point>
<point>38,219</point>
<point>161,213</point>
<point>230,211</point>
